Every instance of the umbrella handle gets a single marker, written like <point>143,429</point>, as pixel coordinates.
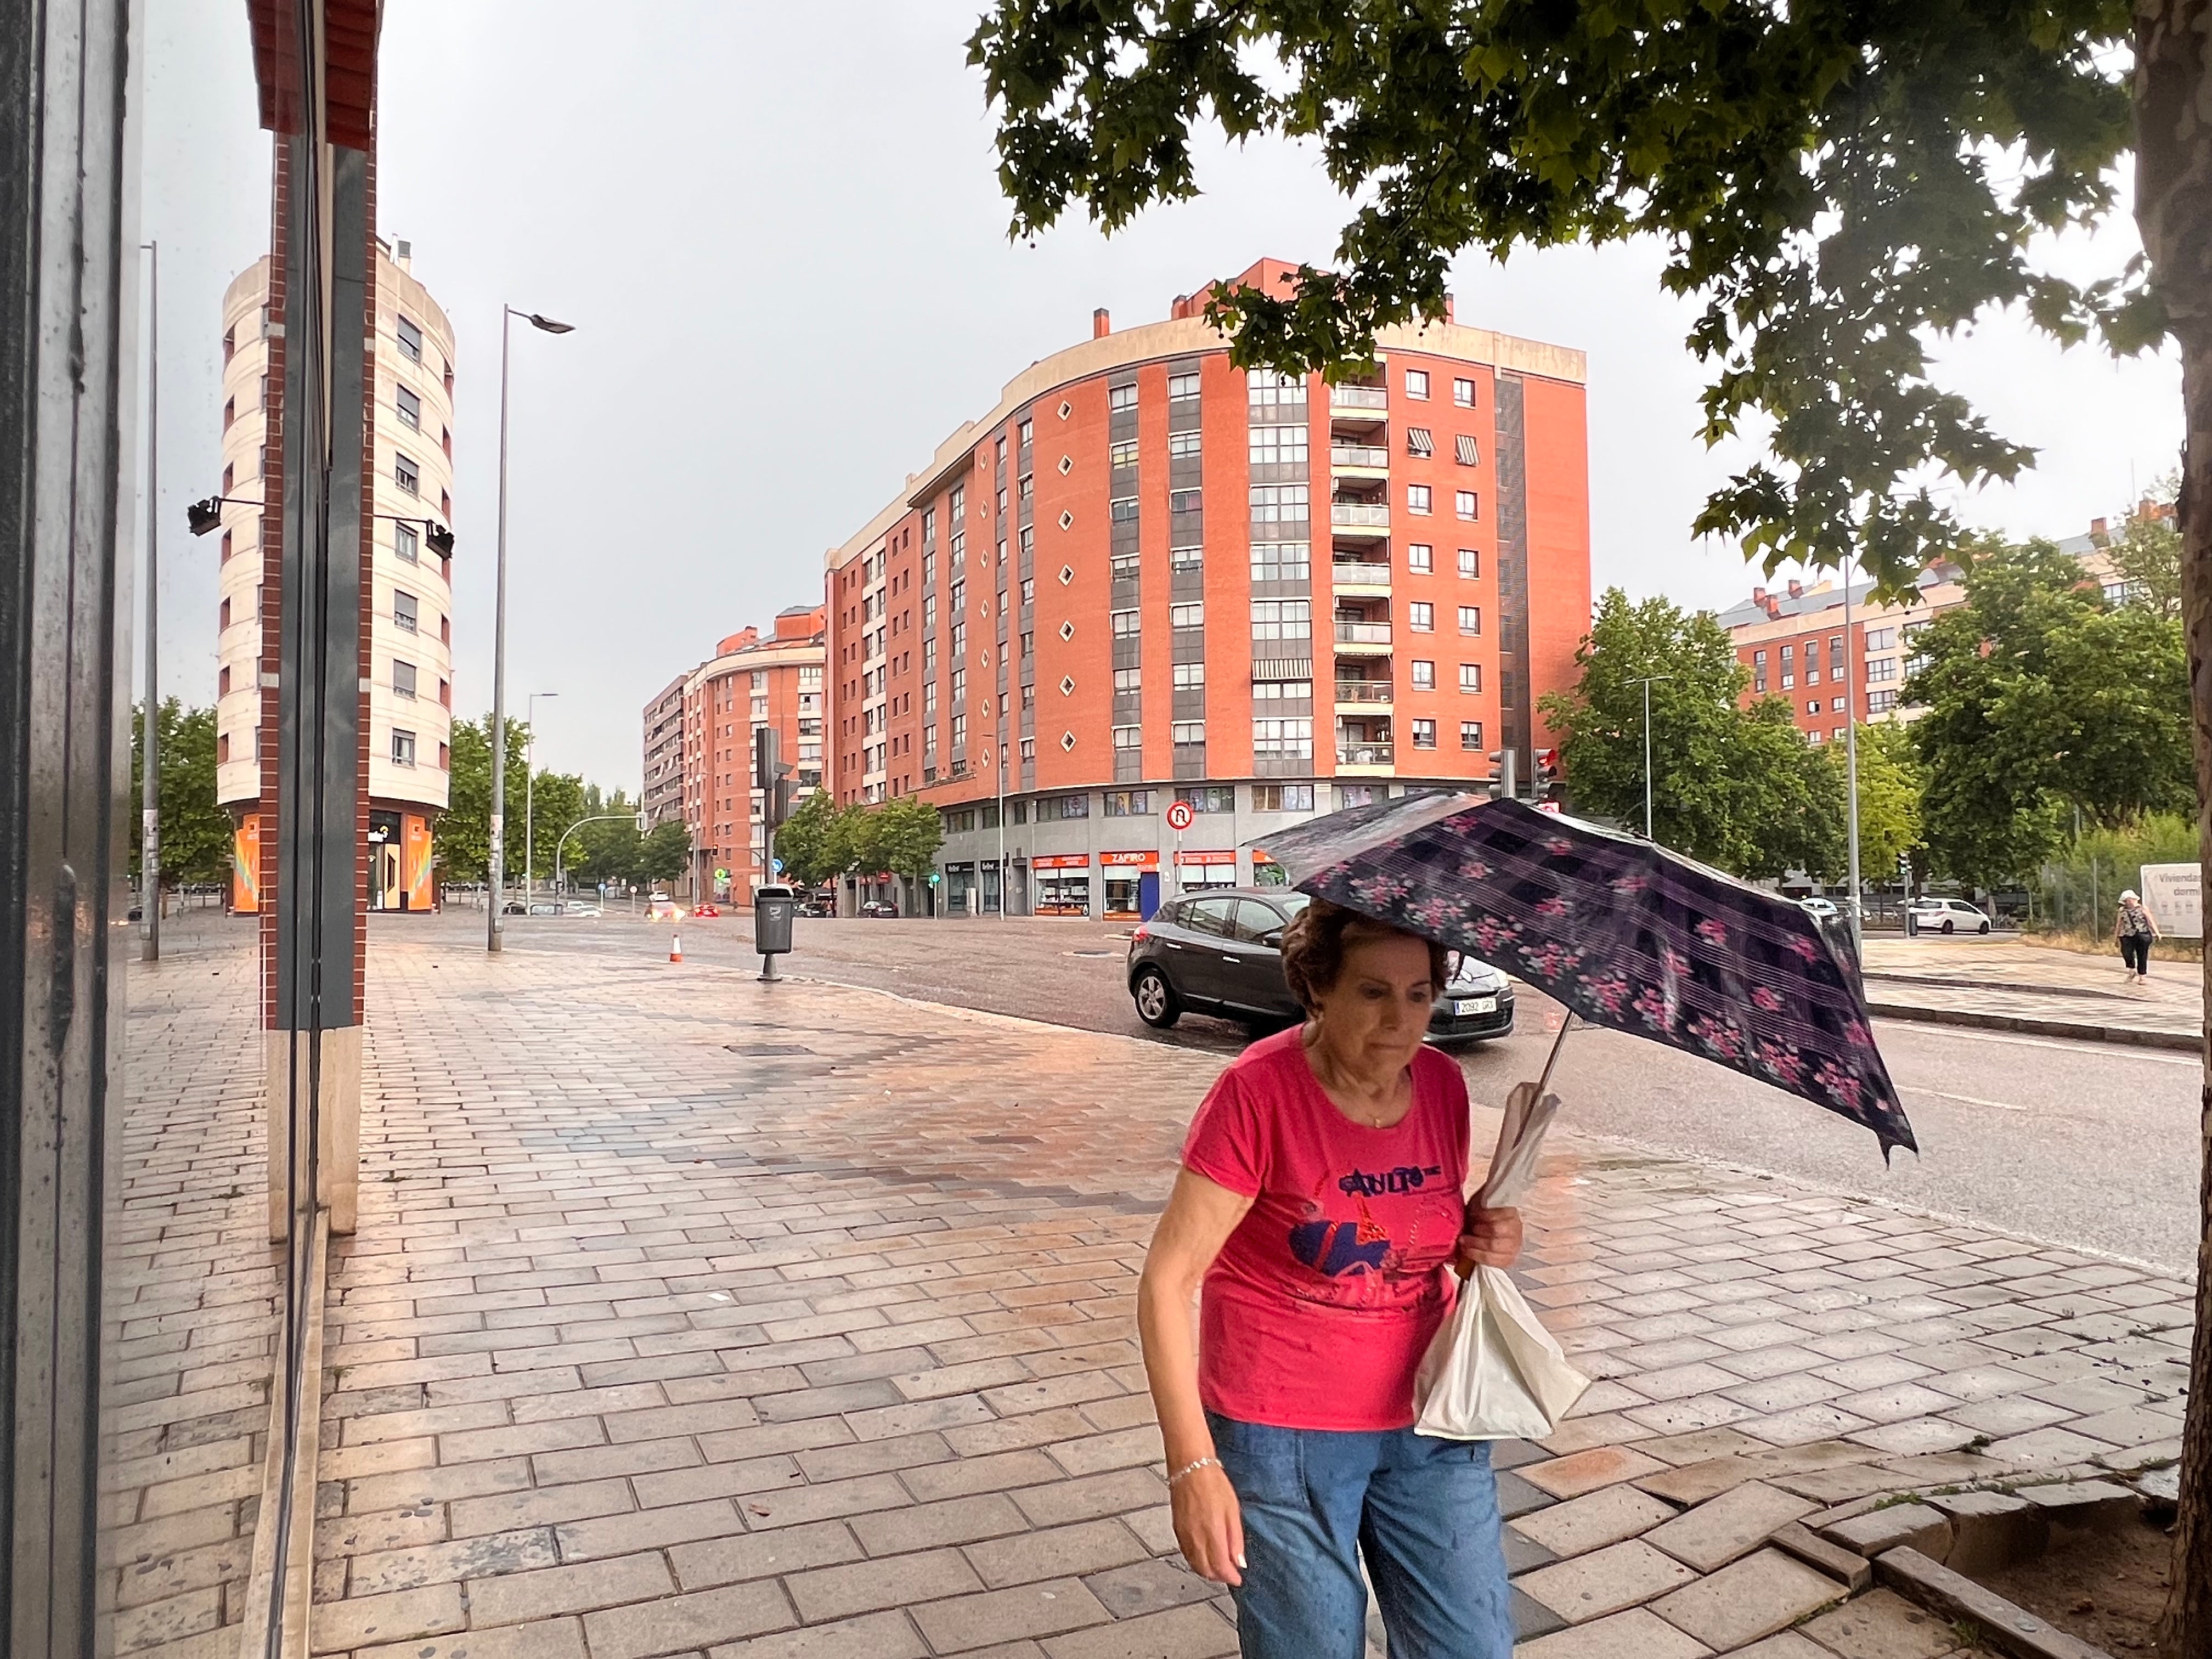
<point>1553,1059</point>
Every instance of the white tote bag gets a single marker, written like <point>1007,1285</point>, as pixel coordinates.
<point>1493,1372</point>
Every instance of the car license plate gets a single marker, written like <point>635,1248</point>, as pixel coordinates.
<point>1475,1005</point>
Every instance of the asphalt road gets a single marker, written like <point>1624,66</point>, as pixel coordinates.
<point>2078,1143</point>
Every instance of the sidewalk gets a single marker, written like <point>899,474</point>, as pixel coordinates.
<point>2016,985</point>
<point>692,1315</point>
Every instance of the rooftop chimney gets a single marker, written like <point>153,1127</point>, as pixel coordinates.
<point>1447,309</point>
<point>1758,597</point>
<point>1101,324</point>
<point>2097,532</point>
<point>403,254</point>
<point>1796,588</point>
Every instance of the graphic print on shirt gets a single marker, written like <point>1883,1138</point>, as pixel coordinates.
<point>1337,1245</point>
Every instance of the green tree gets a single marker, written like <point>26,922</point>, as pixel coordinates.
<point>2147,556</point>
<point>1890,785</point>
<point>662,854</point>
<point>805,842</point>
<point>462,837</point>
<point>904,836</point>
<point>2041,699</point>
<point>1842,185</point>
<point>604,851</point>
<point>196,831</point>
<point>557,803</point>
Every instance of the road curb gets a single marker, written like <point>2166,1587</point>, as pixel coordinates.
<point>2080,1030</point>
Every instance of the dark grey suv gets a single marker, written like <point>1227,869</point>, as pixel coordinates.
<point>1220,952</point>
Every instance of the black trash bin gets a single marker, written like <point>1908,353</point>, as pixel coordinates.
<point>772,910</point>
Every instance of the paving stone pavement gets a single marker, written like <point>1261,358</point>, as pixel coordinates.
<point>692,1315</point>
<point>2005,980</point>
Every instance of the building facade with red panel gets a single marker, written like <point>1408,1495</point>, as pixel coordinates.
<point>702,727</point>
<point>1148,575</point>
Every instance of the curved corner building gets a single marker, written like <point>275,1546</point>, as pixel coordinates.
<point>1147,576</point>
<point>407,589</point>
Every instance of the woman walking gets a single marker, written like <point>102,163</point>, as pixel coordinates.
<point>1315,1219</point>
<point>2136,930</point>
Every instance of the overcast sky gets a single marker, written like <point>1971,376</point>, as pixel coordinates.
<point>784,250</point>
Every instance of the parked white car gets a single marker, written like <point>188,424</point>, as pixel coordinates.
<point>1949,916</point>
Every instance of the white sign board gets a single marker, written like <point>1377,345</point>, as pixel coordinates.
<point>2174,896</point>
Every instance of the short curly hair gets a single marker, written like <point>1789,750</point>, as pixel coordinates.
<point>1315,944</point>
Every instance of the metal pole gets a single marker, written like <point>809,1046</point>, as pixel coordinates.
<point>1647,779</point>
<point>1852,754</point>
<point>497,825</point>
<point>150,799</point>
<point>1005,883</point>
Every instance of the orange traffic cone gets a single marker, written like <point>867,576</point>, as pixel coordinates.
<point>675,947</point>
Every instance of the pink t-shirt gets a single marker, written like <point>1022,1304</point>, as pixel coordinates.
<point>1317,1312</point>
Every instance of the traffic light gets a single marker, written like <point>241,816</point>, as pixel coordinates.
<point>772,778</point>
<point>1548,769</point>
<point>1505,773</point>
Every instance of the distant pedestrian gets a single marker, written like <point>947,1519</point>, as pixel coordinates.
<point>1316,1218</point>
<point>2136,930</point>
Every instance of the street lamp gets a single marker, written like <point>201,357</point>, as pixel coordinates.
<point>1647,682</point>
<point>1852,754</point>
<point>497,825</point>
<point>530,792</point>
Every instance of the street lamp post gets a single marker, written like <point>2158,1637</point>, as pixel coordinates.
<point>497,824</point>
<point>1647,682</point>
<point>150,797</point>
<point>530,792</point>
<point>1851,755</point>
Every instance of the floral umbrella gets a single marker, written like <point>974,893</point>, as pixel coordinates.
<point>1626,934</point>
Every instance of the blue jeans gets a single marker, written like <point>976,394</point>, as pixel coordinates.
<point>1423,1513</point>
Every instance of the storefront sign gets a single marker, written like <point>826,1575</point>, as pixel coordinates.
<point>1224,855</point>
<point>1130,860</point>
<point>2173,894</point>
<point>1061,861</point>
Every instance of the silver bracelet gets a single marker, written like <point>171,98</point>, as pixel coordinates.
<point>1192,1468</point>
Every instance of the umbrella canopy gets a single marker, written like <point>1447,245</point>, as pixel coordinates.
<point>1626,934</point>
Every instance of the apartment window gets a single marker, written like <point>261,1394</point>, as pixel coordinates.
<point>1280,503</point>
<point>1420,442</point>
<point>1463,503</point>
<point>1282,798</point>
<point>1282,740</point>
<point>1183,501</point>
<point>1470,619</point>
<point>1187,733</point>
<point>1759,661</point>
<point>1022,433</point>
<point>957,601</point>
<point>402,747</point>
<point>410,341</point>
<point>1282,619</point>
<point>1421,617</point>
<point>1424,734</point>
<point>1183,445</point>
<point>1466,453</point>
<point>1281,561</point>
<point>1470,677</point>
<point>1123,397</point>
<point>960,639</point>
<point>1269,388</point>
<point>1877,701</point>
<point>1122,454</point>
<point>1128,679</point>
<point>1209,798</point>
<point>1281,690</point>
<point>1124,567</point>
<point>1881,668</point>
<point>1420,557</point>
<point>1192,559</point>
<point>222,682</point>
<point>403,610</point>
<point>445,757</point>
<point>1425,675</point>
<point>1183,385</point>
<point>1278,446</point>
<point>929,700</point>
<point>409,406</point>
<point>1123,509</point>
<point>1879,639</point>
<point>403,679</point>
<point>1061,806</point>
<point>1002,508</point>
<point>1470,736</point>
<point>406,475</point>
<point>1028,647</point>
<point>1416,498</point>
<point>959,730</point>
<point>1355,794</point>
<point>1417,383</point>
<point>1187,616</point>
<point>1127,803</point>
<point>406,544</point>
<point>929,610</point>
<point>1001,450</point>
<point>959,685</point>
<point>1126,624</point>
<point>1463,393</point>
<point>956,508</point>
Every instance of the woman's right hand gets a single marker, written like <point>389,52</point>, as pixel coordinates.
<point>1209,1525</point>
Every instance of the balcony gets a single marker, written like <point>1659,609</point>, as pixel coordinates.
<point>1355,756</point>
<point>1359,519</point>
<point>1354,696</point>
<point>1361,399</point>
<point>1363,639</point>
<point>1359,460</point>
<point>1358,576</point>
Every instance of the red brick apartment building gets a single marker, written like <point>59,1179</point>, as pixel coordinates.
<point>699,746</point>
<point>1794,639</point>
<point>1146,576</point>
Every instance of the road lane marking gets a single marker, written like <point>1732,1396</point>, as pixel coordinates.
<point>1970,1100</point>
<point>2072,1045</point>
